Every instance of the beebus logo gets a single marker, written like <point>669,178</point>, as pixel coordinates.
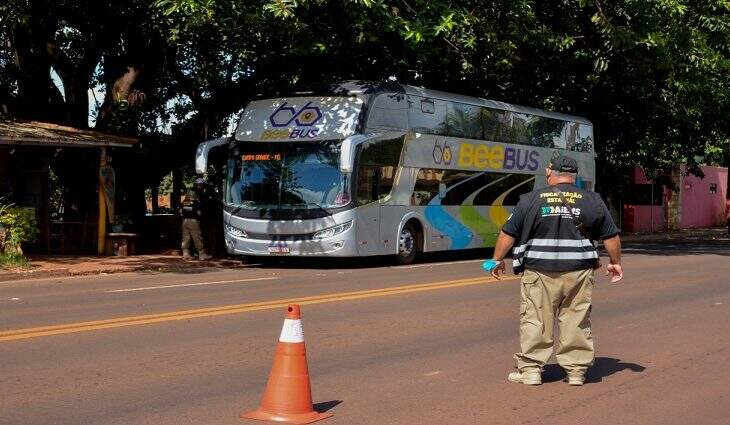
<point>485,156</point>
<point>442,153</point>
<point>285,116</point>
<point>307,116</point>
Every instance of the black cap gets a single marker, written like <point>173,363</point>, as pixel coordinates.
<point>564,164</point>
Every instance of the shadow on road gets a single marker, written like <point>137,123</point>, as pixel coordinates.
<point>679,247</point>
<point>662,248</point>
<point>326,405</point>
<point>603,367</point>
<point>362,262</point>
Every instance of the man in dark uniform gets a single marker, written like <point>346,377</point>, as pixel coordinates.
<point>555,228</point>
<point>192,213</point>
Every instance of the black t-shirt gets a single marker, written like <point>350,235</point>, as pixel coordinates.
<point>191,206</point>
<point>547,238</point>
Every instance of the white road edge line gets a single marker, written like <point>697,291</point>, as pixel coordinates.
<point>191,284</point>
<point>414,266</point>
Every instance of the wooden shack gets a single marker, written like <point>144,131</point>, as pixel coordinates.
<point>66,176</point>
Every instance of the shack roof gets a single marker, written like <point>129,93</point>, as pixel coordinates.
<point>38,133</point>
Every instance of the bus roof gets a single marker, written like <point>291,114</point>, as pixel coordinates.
<point>370,89</point>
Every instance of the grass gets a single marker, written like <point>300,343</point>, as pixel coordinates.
<point>12,261</point>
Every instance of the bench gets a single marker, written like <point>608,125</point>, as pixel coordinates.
<point>121,244</point>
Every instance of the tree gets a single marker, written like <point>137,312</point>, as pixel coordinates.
<point>652,75</point>
<point>85,43</point>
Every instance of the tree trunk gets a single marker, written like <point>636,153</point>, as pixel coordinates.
<point>119,92</point>
<point>34,81</point>
<point>674,201</point>
<point>77,101</point>
<point>177,189</point>
<point>75,76</point>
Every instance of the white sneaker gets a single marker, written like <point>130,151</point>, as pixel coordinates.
<point>575,378</point>
<point>527,377</point>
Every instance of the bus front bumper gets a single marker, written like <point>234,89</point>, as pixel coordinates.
<point>343,246</point>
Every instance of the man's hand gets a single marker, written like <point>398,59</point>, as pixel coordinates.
<point>613,247</point>
<point>504,243</point>
<point>500,268</point>
<point>616,272</point>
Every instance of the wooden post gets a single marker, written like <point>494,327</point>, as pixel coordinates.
<point>155,190</point>
<point>101,242</point>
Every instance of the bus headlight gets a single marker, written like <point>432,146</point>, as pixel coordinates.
<point>235,231</point>
<point>332,231</point>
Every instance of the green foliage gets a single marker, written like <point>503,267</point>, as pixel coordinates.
<point>717,155</point>
<point>12,260</point>
<point>652,75</point>
<point>17,225</point>
<point>165,187</point>
<point>55,191</point>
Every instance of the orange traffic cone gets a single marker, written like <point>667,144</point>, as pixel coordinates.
<point>288,395</point>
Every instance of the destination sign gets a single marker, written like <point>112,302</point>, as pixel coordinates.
<point>261,157</point>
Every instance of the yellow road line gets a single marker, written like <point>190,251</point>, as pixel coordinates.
<point>233,309</point>
<point>181,285</point>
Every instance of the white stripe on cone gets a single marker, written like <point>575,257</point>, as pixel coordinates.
<point>292,331</point>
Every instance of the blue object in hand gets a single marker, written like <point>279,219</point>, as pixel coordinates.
<point>490,265</point>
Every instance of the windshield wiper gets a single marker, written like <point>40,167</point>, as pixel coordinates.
<point>320,207</point>
<point>239,207</point>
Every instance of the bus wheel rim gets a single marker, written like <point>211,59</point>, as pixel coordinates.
<point>405,242</point>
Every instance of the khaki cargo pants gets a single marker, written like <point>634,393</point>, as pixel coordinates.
<point>547,296</point>
<point>191,232</point>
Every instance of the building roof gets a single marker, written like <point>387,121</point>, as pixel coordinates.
<point>38,133</point>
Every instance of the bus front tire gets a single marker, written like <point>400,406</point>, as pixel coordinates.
<point>408,240</point>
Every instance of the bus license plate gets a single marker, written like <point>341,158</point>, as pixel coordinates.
<point>279,249</point>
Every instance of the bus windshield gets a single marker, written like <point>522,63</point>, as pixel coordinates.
<point>283,175</point>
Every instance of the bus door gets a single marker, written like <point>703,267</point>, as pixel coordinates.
<point>368,211</point>
<point>378,162</point>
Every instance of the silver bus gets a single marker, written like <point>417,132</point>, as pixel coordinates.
<point>360,169</point>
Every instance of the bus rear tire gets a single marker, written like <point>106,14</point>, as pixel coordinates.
<point>408,243</point>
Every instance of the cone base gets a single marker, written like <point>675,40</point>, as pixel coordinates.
<point>289,418</point>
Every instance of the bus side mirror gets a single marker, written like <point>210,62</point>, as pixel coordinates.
<point>203,151</point>
<point>348,150</point>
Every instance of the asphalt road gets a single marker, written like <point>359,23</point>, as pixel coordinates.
<point>425,344</point>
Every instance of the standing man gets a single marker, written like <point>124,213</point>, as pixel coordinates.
<point>556,227</point>
<point>192,213</point>
<point>212,222</point>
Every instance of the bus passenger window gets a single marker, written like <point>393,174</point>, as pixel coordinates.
<point>427,115</point>
<point>464,121</point>
<point>428,186</point>
<point>377,169</point>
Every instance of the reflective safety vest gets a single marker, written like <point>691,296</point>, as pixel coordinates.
<point>547,237</point>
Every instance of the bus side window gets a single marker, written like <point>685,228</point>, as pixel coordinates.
<point>367,189</point>
<point>428,186</point>
<point>377,168</point>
